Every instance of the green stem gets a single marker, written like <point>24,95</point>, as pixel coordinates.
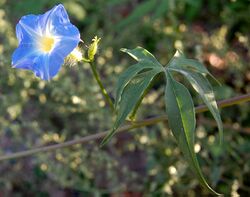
<point>150,121</point>
<point>103,90</point>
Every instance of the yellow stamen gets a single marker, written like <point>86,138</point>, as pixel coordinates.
<point>47,44</point>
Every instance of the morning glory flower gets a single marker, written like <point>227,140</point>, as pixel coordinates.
<point>44,42</point>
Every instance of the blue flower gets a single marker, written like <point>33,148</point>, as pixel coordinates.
<point>44,42</point>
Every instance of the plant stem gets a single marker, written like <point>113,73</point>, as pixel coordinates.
<point>226,102</point>
<point>103,90</point>
<point>150,121</point>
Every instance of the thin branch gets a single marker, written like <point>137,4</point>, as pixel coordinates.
<point>133,125</point>
<point>226,102</point>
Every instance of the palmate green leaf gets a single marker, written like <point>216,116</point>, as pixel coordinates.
<point>145,61</point>
<point>179,61</point>
<point>181,117</point>
<point>129,74</point>
<point>202,86</point>
<point>131,95</point>
<point>141,54</point>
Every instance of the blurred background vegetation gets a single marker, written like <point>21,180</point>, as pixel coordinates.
<point>146,162</point>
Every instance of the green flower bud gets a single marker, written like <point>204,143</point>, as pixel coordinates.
<point>93,48</point>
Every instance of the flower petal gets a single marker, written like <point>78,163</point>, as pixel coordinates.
<point>28,29</point>
<point>58,17</point>
<point>55,62</point>
<point>46,66</point>
<point>58,26</point>
<point>24,55</point>
<point>36,32</point>
<point>65,46</point>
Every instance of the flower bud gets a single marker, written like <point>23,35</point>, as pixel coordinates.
<point>93,48</point>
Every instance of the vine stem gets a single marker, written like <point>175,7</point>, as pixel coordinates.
<point>103,90</point>
<point>150,121</point>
